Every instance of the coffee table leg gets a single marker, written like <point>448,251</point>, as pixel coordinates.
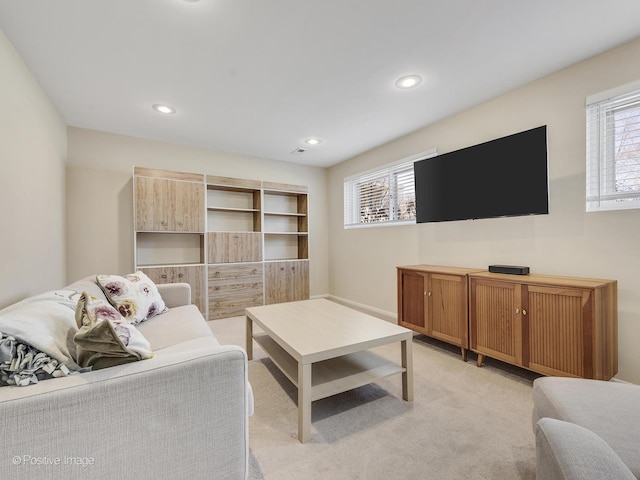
<point>304,402</point>
<point>407,364</point>
<point>249,339</point>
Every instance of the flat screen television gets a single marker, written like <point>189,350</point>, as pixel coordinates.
<point>500,178</point>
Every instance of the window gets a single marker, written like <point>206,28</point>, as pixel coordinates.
<point>383,196</point>
<point>613,149</point>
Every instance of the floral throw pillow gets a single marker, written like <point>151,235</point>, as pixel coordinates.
<point>135,296</point>
<point>104,338</point>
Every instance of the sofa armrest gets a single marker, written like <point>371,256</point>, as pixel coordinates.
<point>568,451</point>
<point>175,294</point>
<point>181,414</point>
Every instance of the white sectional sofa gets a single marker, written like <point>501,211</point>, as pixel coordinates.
<point>181,414</point>
<point>586,429</point>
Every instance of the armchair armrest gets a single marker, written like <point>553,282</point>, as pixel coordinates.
<point>568,451</point>
<point>175,294</point>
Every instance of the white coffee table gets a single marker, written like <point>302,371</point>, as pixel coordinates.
<point>322,347</point>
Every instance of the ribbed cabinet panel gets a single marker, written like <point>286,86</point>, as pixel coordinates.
<point>556,330</point>
<point>497,323</point>
<point>448,312</point>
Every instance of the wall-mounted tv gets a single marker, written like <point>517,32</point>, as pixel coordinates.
<point>500,178</point>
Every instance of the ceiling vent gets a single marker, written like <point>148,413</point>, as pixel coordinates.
<point>298,150</point>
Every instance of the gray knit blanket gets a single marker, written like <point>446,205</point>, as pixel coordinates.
<point>22,365</point>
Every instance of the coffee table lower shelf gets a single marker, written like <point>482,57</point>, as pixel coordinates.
<point>335,375</point>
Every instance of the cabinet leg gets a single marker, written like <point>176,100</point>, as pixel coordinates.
<point>464,354</point>
<point>480,359</point>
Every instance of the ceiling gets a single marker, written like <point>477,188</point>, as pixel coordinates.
<point>258,77</point>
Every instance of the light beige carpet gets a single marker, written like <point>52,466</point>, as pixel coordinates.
<point>465,422</point>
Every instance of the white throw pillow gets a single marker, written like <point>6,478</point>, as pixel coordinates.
<point>135,296</point>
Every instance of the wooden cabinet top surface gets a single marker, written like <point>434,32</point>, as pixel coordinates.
<point>440,269</point>
<point>539,279</point>
<point>167,174</point>
<point>214,181</point>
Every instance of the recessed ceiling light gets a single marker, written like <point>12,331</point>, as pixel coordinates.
<point>409,81</point>
<point>166,109</point>
<point>312,141</point>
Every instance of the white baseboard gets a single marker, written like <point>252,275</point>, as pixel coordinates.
<point>617,380</point>
<point>376,312</point>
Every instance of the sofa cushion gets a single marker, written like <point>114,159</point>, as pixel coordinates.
<point>105,338</point>
<point>568,451</point>
<point>178,325</point>
<point>609,409</point>
<point>135,296</point>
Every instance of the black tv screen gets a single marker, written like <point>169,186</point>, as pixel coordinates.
<point>499,178</point>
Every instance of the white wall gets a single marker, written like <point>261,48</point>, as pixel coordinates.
<point>568,241</point>
<point>32,182</point>
<point>100,197</point>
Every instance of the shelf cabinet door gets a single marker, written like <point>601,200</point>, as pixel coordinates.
<point>188,208</point>
<point>447,308</point>
<point>412,289</point>
<point>286,281</point>
<point>168,205</point>
<point>232,247</point>
<point>193,275</point>
<point>495,320</point>
<point>153,204</point>
<point>558,319</point>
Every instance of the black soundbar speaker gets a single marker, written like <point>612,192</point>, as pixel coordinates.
<point>510,269</point>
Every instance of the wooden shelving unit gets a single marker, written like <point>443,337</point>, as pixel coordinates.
<point>250,237</point>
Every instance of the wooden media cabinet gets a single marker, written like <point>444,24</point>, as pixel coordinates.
<point>554,325</point>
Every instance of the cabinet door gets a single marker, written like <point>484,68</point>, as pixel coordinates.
<point>153,204</point>
<point>286,281</point>
<point>559,321</point>
<point>447,308</point>
<point>299,280</point>
<point>495,319</point>
<point>232,247</point>
<point>193,275</point>
<point>188,206</point>
<point>412,312</point>
<point>169,205</point>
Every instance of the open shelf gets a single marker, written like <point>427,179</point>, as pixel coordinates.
<point>162,248</point>
<point>231,209</point>
<point>286,246</point>
<point>333,376</point>
<point>286,214</point>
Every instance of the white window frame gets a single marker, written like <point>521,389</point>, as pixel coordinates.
<point>602,192</point>
<point>352,217</point>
